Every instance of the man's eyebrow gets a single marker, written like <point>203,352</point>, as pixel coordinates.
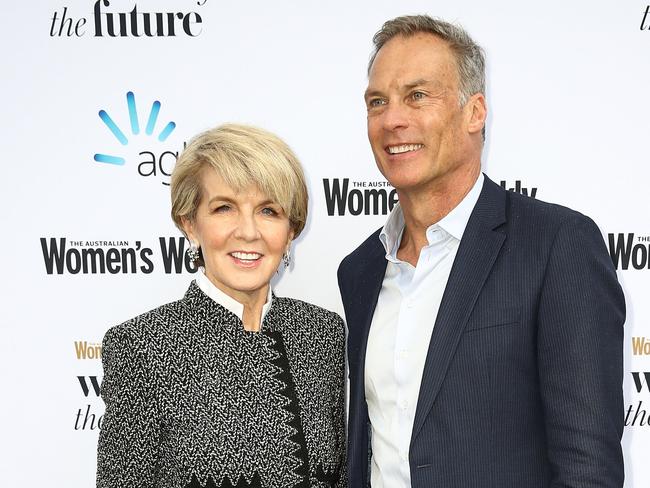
<point>419,82</point>
<point>435,84</point>
<point>371,92</point>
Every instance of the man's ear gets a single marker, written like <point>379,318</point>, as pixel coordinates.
<point>476,113</point>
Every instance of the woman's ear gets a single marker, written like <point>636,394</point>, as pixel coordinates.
<point>290,239</point>
<point>188,228</point>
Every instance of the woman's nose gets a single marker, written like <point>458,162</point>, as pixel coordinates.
<point>247,228</point>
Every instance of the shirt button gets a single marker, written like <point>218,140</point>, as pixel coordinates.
<point>403,404</point>
<point>409,303</point>
<point>402,353</point>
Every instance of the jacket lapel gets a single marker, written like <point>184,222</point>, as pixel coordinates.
<point>476,255</point>
<point>360,313</point>
<point>373,270</point>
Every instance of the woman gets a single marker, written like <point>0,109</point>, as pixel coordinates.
<point>230,386</point>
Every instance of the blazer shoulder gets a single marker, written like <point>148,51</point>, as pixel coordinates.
<point>144,329</point>
<point>544,215</point>
<point>305,314</point>
<point>367,248</point>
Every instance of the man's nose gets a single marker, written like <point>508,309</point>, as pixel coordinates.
<point>395,116</point>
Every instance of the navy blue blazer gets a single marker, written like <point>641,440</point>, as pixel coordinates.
<point>522,385</point>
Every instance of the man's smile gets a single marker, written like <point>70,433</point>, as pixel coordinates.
<point>403,148</point>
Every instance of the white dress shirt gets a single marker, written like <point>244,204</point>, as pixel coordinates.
<point>227,301</point>
<point>400,333</point>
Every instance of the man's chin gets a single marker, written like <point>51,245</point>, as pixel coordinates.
<point>406,182</point>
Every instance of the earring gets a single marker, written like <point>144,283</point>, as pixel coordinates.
<point>193,253</point>
<point>286,258</point>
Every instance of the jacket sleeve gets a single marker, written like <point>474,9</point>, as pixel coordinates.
<point>128,440</point>
<point>580,359</point>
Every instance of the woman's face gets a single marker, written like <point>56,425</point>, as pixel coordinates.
<point>242,236</point>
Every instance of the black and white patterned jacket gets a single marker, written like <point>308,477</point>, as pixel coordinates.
<point>193,400</point>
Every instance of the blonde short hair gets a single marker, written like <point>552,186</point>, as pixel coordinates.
<point>241,155</point>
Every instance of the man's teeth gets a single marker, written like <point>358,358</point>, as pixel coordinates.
<point>404,148</point>
<point>249,256</point>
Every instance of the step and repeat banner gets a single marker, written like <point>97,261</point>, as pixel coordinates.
<point>99,98</point>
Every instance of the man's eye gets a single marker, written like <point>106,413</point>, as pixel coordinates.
<point>418,95</point>
<point>376,102</point>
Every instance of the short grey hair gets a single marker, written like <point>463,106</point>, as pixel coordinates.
<point>470,58</point>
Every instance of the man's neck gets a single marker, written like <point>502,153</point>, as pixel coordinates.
<point>424,207</point>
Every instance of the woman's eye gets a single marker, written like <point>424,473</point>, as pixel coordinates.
<point>269,211</point>
<point>221,209</point>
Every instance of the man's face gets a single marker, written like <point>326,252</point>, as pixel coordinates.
<point>416,127</point>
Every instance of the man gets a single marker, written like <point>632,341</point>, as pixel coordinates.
<point>485,327</point>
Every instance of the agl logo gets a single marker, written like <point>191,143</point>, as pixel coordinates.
<point>150,162</point>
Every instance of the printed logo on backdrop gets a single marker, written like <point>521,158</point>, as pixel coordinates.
<point>629,251</point>
<point>88,417</point>
<point>85,350</point>
<point>62,255</point>
<point>343,196</point>
<point>641,346</point>
<point>519,188</point>
<point>645,20</point>
<point>637,413</point>
<point>144,147</point>
<point>109,21</point>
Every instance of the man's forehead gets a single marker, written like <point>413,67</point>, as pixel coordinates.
<point>403,84</point>
<point>416,45</point>
<point>406,60</point>
<point>410,53</point>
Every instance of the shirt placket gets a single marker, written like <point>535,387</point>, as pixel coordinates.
<point>409,318</point>
<point>403,364</point>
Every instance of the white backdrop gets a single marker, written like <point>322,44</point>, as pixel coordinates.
<point>567,91</point>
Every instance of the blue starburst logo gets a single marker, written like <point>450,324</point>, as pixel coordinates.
<point>135,128</point>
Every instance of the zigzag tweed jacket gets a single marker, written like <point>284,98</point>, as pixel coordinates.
<point>193,400</point>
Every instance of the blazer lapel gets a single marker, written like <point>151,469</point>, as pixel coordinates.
<point>360,312</point>
<point>476,254</point>
<point>373,270</point>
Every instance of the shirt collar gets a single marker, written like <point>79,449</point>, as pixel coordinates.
<point>454,223</point>
<point>391,234</point>
<point>226,301</point>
